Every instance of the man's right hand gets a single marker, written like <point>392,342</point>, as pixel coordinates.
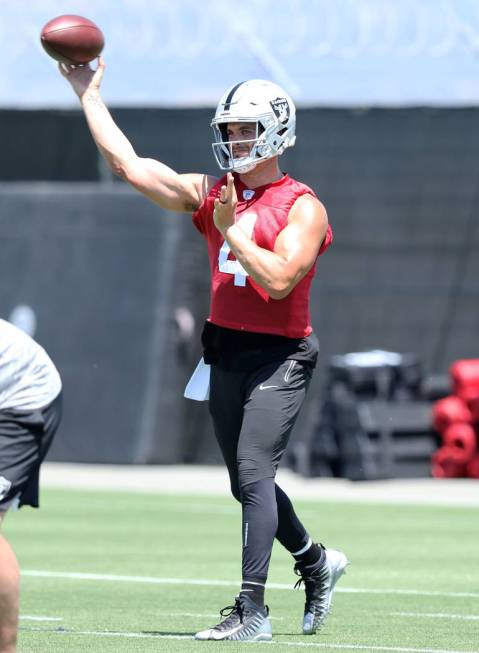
<point>83,78</point>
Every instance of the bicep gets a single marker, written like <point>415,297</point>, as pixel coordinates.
<point>164,186</point>
<point>298,244</point>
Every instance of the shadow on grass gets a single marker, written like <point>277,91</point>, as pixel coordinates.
<point>166,633</point>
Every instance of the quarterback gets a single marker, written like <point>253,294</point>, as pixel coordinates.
<point>264,232</point>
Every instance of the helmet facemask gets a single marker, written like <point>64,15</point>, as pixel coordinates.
<point>223,148</point>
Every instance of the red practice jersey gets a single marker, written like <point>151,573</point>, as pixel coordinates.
<point>237,301</point>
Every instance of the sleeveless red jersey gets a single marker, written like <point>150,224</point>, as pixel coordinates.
<point>237,301</point>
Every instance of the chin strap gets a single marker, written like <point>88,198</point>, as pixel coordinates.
<point>245,168</point>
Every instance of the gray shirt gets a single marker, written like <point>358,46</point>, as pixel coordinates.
<point>28,378</point>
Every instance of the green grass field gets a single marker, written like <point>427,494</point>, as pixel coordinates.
<point>124,572</point>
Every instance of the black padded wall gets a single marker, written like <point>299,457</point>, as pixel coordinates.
<point>107,271</point>
<point>402,190</point>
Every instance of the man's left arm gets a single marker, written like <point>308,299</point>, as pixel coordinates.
<point>296,248</point>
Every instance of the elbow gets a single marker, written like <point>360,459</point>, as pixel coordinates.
<point>123,167</point>
<point>279,290</point>
<point>119,170</point>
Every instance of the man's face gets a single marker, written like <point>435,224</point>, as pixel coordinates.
<point>241,131</point>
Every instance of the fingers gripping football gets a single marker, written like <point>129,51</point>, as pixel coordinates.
<point>83,78</point>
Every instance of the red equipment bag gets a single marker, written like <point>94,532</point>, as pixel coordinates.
<point>473,467</point>
<point>473,405</point>
<point>448,462</point>
<point>461,437</point>
<point>465,378</point>
<point>448,411</point>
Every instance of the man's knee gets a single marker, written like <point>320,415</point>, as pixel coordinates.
<point>250,472</point>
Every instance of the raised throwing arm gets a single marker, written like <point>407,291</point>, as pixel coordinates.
<point>172,191</point>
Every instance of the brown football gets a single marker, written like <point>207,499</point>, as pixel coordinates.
<point>72,39</point>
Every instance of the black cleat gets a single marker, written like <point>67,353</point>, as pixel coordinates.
<point>245,621</point>
<point>319,581</point>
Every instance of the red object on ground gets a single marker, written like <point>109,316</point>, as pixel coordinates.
<point>456,418</point>
<point>465,378</point>
<point>473,405</point>
<point>472,468</point>
<point>448,462</point>
<point>448,411</point>
<point>462,437</point>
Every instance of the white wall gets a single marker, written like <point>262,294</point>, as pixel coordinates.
<point>186,52</point>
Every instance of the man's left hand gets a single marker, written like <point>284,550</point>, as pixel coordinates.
<point>225,205</point>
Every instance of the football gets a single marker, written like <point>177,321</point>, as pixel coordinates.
<point>72,39</point>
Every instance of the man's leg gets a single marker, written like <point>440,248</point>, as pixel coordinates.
<point>271,411</point>
<point>274,398</point>
<point>24,440</point>
<point>226,410</point>
<point>291,533</point>
<point>226,407</point>
<point>9,595</point>
<point>260,522</point>
<point>243,621</point>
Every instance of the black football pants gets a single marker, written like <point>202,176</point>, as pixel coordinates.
<point>253,415</point>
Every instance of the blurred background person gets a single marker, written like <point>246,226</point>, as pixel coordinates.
<point>30,412</point>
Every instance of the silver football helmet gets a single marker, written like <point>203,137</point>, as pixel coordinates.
<point>260,102</point>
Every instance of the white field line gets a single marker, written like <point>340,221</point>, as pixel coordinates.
<point>28,617</point>
<point>436,615</point>
<point>227,583</point>
<point>189,614</point>
<point>204,616</point>
<point>322,645</point>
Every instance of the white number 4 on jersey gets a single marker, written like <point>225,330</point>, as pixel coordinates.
<point>231,267</point>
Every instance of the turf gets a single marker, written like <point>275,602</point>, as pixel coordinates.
<point>409,566</point>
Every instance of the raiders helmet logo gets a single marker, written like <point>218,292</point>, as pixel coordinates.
<point>280,107</point>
